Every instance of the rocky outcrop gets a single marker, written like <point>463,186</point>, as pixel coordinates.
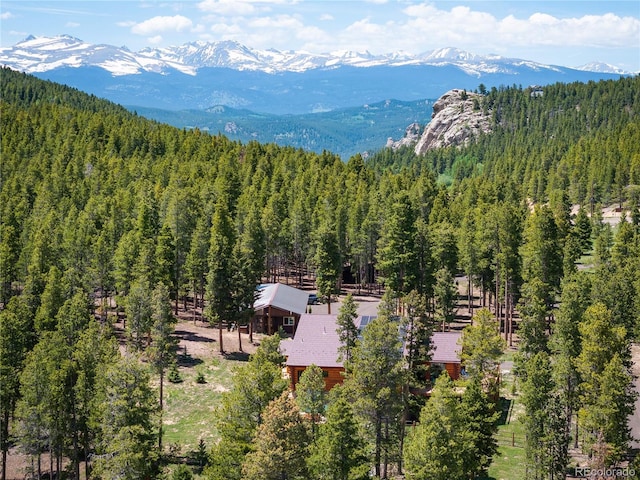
<point>456,120</point>
<point>411,137</point>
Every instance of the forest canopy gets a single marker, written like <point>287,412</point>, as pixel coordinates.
<point>97,203</point>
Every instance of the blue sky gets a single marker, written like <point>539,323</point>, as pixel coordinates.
<point>569,33</point>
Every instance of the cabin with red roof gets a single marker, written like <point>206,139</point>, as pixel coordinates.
<point>445,355</point>
<point>316,342</point>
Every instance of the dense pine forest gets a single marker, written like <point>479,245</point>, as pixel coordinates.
<point>105,213</point>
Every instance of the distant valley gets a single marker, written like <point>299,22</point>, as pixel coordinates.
<point>347,131</point>
<point>345,102</point>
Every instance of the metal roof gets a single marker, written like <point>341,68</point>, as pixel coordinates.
<point>445,347</point>
<point>281,296</point>
<point>316,341</point>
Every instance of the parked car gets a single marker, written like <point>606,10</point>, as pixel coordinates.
<point>313,299</point>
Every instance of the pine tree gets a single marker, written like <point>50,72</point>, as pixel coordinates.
<point>376,377</point>
<point>441,445</point>
<point>482,423</point>
<point>327,261</point>
<point>162,350</point>
<point>482,346</point>
<point>347,330</point>
<point>138,312</point>
<point>310,395</point>
<point>240,412</point>
<point>536,395</point>
<point>50,302</point>
<point>15,342</point>
<point>606,392</point>
<point>280,444</point>
<point>445,295</point>
<point>125,412</point>
<point>339,451</point>
<point>221,303</point>
<point>396,252</point>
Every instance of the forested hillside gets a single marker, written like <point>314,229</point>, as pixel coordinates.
<point>582,138</point>
<point>97,204</point>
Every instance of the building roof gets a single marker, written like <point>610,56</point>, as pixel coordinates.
<point>445,347</point>
<point>316,341</point>
<point>281,296</point>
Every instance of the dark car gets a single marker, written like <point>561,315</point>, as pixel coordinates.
<point>313,299</point>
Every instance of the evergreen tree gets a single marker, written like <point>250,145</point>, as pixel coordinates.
<point>376,377</point>
<point>441,445</point>
<point>347,330</point>
<point>583,229</point>
<point>162,350</point>
<point>310,395</point>
<point>254,386</point>
<point>220,294</point>
<point>482,422</point>
<point>396,252</point>
<point>280,444</point>
<point>536,397</point>
<point>445,296</point>
<point>328,262</point>
<point>15,342</point>
<point>338,453</point>
<point>607,397</point>
<point>196,262</point>
<point>50,302</point>
<point>138,312</point>
<point>541,252</point>
<point>482,346</point>
<point>125,412</point>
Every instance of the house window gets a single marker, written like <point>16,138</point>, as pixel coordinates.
<point>288,321</point>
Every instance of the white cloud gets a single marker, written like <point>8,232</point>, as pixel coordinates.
<point>326,17</point>
<point>6,15</point>
<point>177,23</point>
<point>72,25</point>
<point>475,28</point>
<point>155,40</point>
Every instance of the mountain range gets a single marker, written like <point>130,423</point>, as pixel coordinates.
<point>40,54</point>
<point>201,75</point>
<point>347,102</point>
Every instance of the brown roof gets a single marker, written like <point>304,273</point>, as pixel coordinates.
<point>315,341</point>
<point>445,347</point>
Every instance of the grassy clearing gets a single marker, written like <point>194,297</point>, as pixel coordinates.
<point>508,463</point>
<point>189,406</point>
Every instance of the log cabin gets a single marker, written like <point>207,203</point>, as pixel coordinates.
<point>445,352</point>
<point>315,342</point>
<point>278,306</point>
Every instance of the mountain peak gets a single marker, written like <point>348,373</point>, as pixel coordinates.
<point>601,67</point>
<point>40,54</point>
<point>451,54</point>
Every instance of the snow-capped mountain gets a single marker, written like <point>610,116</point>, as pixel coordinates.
<point>601,67</point>
<point>200,75</point>
<point>42,54</point>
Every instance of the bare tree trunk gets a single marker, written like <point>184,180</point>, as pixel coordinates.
<point>4,441</point>
<point>161,409</point>
<point>220,335</point>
